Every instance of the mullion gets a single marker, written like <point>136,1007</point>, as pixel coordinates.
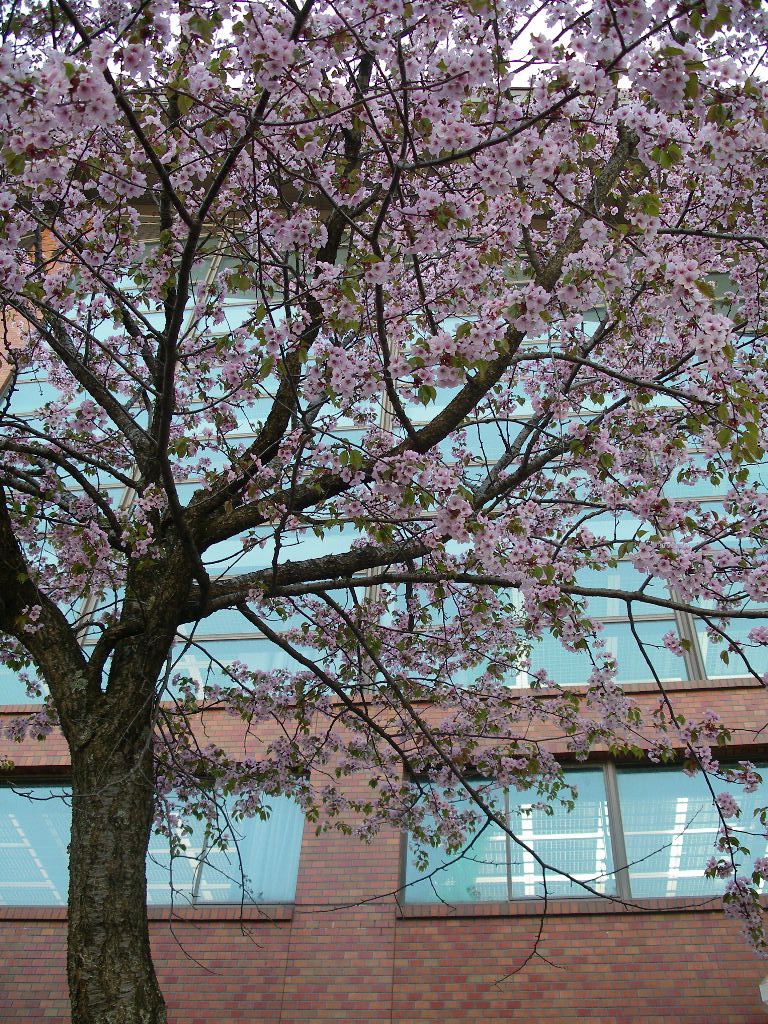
<point>616,828</point>
<point>508,845</point>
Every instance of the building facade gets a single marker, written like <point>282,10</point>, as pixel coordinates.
<point>355,944</point>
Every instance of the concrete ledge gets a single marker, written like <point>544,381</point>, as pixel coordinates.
<point>558,907</point>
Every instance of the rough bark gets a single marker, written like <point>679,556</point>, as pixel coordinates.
<point>111,976</point>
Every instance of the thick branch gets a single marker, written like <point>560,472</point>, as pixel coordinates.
<point>51,640</point>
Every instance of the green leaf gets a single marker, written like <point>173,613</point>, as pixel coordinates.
<point>667,156</point>
<point>706,288</point>
<point>720,20</point>
<point>651,204</point>
<point>239,282</point>
<point>717,114</point>
<point>724,435</point>
<point>203,27</point>
<point>184,102</point>
<point>14,161</point>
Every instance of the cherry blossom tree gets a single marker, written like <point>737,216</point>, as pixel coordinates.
<point>426,305</point>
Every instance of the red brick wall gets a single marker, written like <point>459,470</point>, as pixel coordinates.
<point>624,968</point>
<point>370,966</point>
<point>209,970</point>
<point>347,952</point>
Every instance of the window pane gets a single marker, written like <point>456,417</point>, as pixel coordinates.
<point>474,875</point>
<point>632,665</point>
<point>712,648</point>
<point>566,668</point>
<point>205,662</point>
<point>172,879</point>
<point>621,577</point>
<point>670,827</point>
<point>494,867</point>
<point>31,395</point>
<point>684,482</point>
<point>573,667</point>
<point>34,862</point>
<point>576,842</point>
<point>14,691</point>
<point>34,834</point>
<point>262,858</point>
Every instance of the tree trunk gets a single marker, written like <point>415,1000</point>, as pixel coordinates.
<point>111,976</point>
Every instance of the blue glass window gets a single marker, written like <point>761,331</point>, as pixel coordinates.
<point>715,650</point>
<point>670,826</point>
<point>34,835</point>
<point>259,863</point>
<point>663,820</point>
<point>491,866</point>
<point>574,667</point>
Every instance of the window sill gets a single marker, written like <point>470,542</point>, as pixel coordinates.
<point>670,685</point>
<point>558,907</point>
<point>202,912</point>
